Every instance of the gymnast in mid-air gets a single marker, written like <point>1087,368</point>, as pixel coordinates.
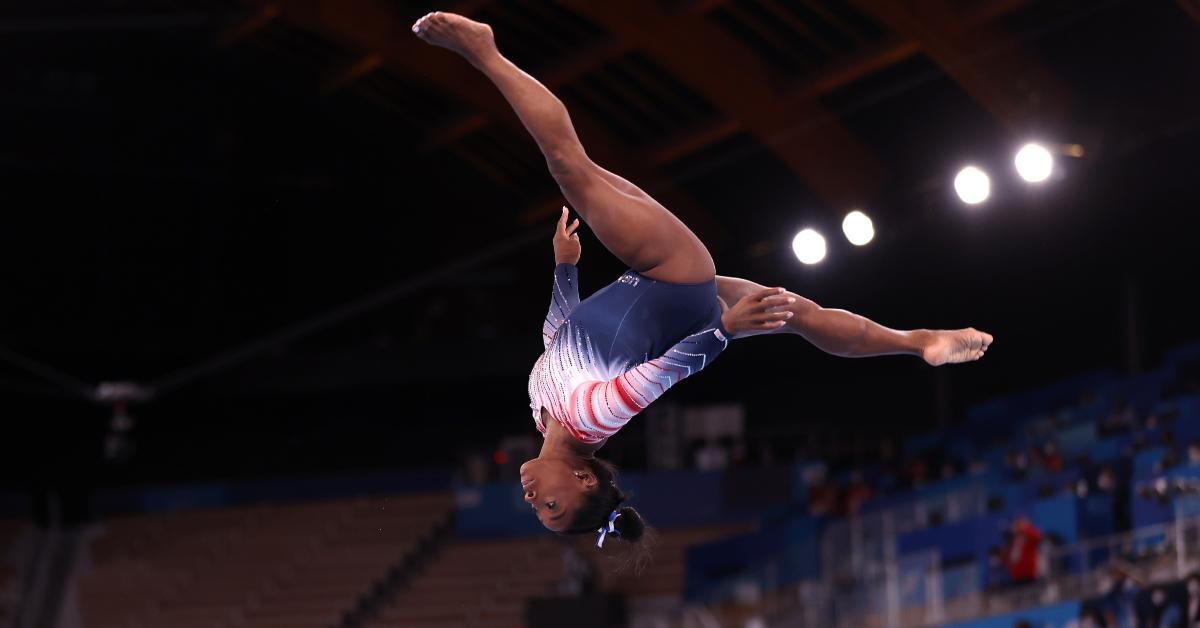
<point>670,315</point>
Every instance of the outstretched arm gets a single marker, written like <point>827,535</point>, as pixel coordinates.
<point>565,296</point>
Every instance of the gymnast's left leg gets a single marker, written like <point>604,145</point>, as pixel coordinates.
<point>631,224</point>
<point>847,334</point>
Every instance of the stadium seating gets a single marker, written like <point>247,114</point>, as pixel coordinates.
<point>269,566</point>
<point>477,584</point>
<point>13,541</point>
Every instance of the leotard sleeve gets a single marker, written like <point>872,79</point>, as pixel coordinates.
<point>600,408</point>
<point>563,299</point>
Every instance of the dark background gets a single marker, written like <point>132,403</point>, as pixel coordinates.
<point>180,180</point>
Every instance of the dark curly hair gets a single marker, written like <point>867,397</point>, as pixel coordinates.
<point>599,503</point>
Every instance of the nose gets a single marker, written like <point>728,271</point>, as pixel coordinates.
<point>530,495</point>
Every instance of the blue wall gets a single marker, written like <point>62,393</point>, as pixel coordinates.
<point>1054,616</point>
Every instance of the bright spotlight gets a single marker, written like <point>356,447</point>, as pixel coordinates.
<point>1034,163</point>
<point>858,228</point>
<point>809,246</point>
<point>972,185</point>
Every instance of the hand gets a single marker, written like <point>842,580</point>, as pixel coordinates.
<point>566,241</point>
<point>757,313</point>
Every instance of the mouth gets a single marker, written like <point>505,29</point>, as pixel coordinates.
<point>526,483</point>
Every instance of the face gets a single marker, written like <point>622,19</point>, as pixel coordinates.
<point>555,490</point>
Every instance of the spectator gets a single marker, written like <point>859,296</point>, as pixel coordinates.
<point>918,472</point>
<point>1022,551</point>
<point>949,470</point>
<point>1163,612</point>
<point>1192,610</point>
<point>997,570</point>
<point>1117,603</point>
<point>978,466</point>
<point>1169,460</point>
<point>1119,420</point>
<point>1052,461</point>
<point>822,498</point>
<point>1106,481</point>
<point>858,492</point>
<point>1016,464</point>
<point>1194,452</point>
<point>1092,618</point>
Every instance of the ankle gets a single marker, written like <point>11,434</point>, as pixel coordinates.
<point>920,340</point>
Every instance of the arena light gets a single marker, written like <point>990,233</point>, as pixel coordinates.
<point>972,185</point>
<point>809,246</point>
<point>858,228</point>
<point>1034,163</point>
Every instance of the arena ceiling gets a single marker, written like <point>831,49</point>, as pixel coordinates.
<point>296,209</point>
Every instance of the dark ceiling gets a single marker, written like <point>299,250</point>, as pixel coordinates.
<point>189,184</point>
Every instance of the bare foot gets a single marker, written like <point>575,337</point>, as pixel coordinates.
<point>955,346</point>
<point>468,38</point>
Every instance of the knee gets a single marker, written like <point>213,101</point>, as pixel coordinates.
<point>567,165</point>
<point>803,310</point>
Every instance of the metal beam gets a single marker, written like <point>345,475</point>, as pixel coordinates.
<point>811,141</point>
<point>1191,7</point>
<point>246,27</point>
<point>989,64</point>
<point>358,69</point>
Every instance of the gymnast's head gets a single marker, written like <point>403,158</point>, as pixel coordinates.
<point>580,496</point>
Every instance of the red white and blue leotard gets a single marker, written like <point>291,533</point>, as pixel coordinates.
<point>597,371</point>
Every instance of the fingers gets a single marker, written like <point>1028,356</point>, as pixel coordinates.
<point>772,303</point>
<point>768,292</point>
<point>562,222</point>
<point>772,318</point>
<point>573,226</point>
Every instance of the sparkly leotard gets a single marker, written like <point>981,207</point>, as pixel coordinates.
<point>597,371</point>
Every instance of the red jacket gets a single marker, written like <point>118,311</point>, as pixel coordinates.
<point>1022,552</point>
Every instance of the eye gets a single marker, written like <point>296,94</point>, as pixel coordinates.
<point>551,505</point>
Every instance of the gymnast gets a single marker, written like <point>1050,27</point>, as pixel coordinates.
<point>609,356</point>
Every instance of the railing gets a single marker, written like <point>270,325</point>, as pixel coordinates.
<point>859,547</point>
<point>917,590</point>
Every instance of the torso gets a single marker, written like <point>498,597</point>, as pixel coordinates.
<point>619,327</point>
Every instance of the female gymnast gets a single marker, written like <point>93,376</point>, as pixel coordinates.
<point>666,318</point>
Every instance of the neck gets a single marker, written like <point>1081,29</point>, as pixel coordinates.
<point>560,444</point>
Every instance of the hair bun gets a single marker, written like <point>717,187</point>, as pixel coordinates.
<point>630,525</point>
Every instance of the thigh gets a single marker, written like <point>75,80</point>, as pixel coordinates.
<point>642,233</point>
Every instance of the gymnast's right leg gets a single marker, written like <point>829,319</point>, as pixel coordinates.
<point>632,225</point>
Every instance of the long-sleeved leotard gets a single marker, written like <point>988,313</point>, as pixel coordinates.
<point>597,371</point>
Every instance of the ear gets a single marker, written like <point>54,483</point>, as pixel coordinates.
<point>587,478</point>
